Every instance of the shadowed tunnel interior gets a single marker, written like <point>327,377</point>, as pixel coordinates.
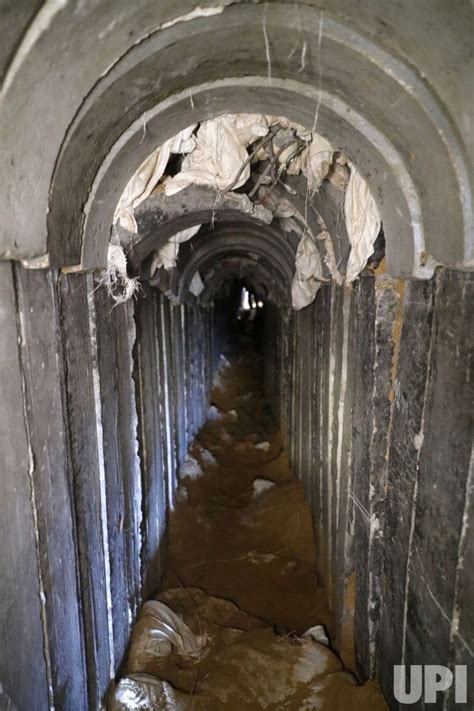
<point>168,165</point>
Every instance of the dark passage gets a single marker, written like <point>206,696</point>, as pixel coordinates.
<point>242,621</point>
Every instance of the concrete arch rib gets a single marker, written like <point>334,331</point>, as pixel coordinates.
<point>256,275</point>
<point>270,254</point>
<point>227,232</point>
<point>150,89</point>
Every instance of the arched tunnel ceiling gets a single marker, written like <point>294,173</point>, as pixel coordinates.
<point>250,249</point>
<point>266,249</point>
<point>107,83</point>
<point>226,236</point>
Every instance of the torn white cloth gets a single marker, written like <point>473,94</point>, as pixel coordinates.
<point>217,156</point>
<point>303,291</point>
<point>302,132</point>
<point>248,127</point>
<point>220,153</point>
<point>308,275</point>
<point>261,485</point>
<point>190,468</point>
<point>362,223</point>
<point>317,161</point>
<point>119,285</point>
<point>148,175</point>
<point>244,204</point>
<point>196,286</point>
<point>167,255</point>
<point>308,261</point>
<point>318,634</point>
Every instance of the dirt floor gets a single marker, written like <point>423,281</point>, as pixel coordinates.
<point>243,621</point>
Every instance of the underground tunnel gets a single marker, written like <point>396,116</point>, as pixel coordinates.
<point>236,313</point>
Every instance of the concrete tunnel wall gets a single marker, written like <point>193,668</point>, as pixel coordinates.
<point>99,404</point>
<point>102,402</point>
<point>374,388</point>
<point>95,414</point>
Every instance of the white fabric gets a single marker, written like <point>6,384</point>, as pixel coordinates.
<point>244,204</point>
<point>262,485</point>
<point>309,272</point>
<point>317,161</point>
<point>219,154</point>
<point>120,286</point>
<point>196,286</point>
<point>318,634</point>
<point>308,261</point>
<point>303,291</point>
<point>167,256</point>
<point>190,468</point>
<point>148,175</point>
<point>301,131</point>
<point>362,223</point>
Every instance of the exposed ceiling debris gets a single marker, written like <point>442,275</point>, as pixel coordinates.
<point>120,286</point>
<point>362,221</point>
<point>247,157</point>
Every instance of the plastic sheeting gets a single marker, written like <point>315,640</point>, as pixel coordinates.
<point>167,255</point>
<point>308,276</point>
<point>148,176</point>
<point>143,692</point>
<point>220,153</point>
<point>243,664</point>
<point>196,286</point>
<point>160,633</point>
<point>362,222</point>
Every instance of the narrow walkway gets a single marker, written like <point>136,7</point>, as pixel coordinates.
<point>242,622</point>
